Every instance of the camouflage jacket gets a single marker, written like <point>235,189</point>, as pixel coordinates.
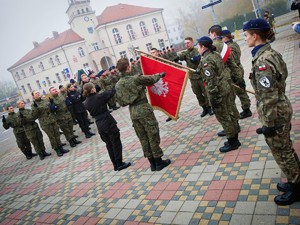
<point>267,77</point>
<point>187,56</point>
<point>236,54</point>
<point>12,120</point>
<point>141,108</point>
<point>106,82</point>
<point>28,120</point>
<point>211,68</point>
<point>62,111</point>
<point>42,112</point>
<point>231,70</point>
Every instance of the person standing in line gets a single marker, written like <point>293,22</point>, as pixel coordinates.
<point>13,121</point>
<point>268,78</point>
<point>192,58</point>
<point>43,109</point>
<point>227,38</point>
<point>63,116</point>
<point>32,129</point>
<point>96,104</point>
<point>211,68</point>
<point>130,90</point>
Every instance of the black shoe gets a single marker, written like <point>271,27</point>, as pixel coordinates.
<point>76,141</point>
<point>169,119</point>
<point>33,154</point>
<point>233,143</point>
<point>210,111</point>
<point>58,152</point>
<point>63,144</point>
<point>246,113</point>
<point>90,122</point>
<point>90,133</point>
<point>76,136</point>
<point>283,187</point>
<point>288,197</point>
<point>123,166</point>
<point>45,154</point>
<point>28,156</point>
<point>60,132</point>
<point>204,112</point>
<point>87,135</point>
<point>75,122</point>
<point>72,143</point>
<point>115,108</point>
<point>152,164</point>
<point>42,157</point>
<point>238,143</point>
<point>221,133</point>
<point>62,150</point>
<point>160,164</point>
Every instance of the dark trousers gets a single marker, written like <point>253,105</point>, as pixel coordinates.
<point>82,121</point>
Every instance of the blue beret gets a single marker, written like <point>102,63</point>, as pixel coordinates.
<point>131,59</point>
<point>256,24</point>
<point>72,81</point>
<point>206,41</point>
<point>214,26</point>
<point>226,32</point>
<point>100,73</point>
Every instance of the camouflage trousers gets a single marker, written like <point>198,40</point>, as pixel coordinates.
<point>23,143</point>
<point>234,113</point>
<point>223,115</point>
<point>65,123</point>
<point>35,136</point>
<point>244,98</point>
<point>52,131</point>
<point>199,90</point>
<point>147,130</point>
<point>112,102</point>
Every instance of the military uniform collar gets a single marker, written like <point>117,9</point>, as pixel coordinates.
<point>261,50</point>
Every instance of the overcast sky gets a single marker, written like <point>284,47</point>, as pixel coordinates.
<point>25,21</point>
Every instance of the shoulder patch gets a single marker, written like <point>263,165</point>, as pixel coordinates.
<point>265,82</point>
<point>262,67</point>
<point>207,73</point>
<point>205,65</point>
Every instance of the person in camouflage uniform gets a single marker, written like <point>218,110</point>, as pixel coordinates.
<point>63,93</point>
<point>44,110</point>
<point>268,76</point>
<point>211,68</point>
<point>32,129</point>
<point>94,80</point>
<point>63,116</point>
<point>192,58</point>
<point>231,72</point>
<point>227,38</point>
<point>13,121</point>
<point>131,89</point>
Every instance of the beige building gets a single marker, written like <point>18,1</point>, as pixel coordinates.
<point>93,42</point>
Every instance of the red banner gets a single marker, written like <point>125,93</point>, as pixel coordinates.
<point>167,93</point>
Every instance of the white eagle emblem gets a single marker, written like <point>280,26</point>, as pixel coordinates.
<point>160,88</point>
<point>264,81</point>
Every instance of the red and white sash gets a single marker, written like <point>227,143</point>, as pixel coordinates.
<point>225,52</point>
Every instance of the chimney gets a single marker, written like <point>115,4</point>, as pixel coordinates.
<point>55,34</point>
<point>35,44</point>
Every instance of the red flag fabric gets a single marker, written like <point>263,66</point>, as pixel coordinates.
<point>167,93</point>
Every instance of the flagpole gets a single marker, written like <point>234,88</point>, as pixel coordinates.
<point>251,92</point>
<point>166,61</point>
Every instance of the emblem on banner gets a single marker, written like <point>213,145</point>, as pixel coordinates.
<point>160,88</point>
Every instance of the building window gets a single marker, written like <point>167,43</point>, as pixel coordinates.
<point>78,11</point>
<point>118,38</point>
<point>58,78</point>
<point>95,46</point>
<point>57,60</point>
<point>155,25</point>
<point>149,46</point>
<point>123,54</point>
<point>86,66</point>
<point>38,84</point>
<point>130,32</point>
<point>64,75</point>
<point>29,87</point>
<point>41,65</point>
<point>161,43</point>
<point>31,70</point>
<point>23,89</point>
<point>87,9</point>
<point>51,62</point>
<point>143,28</point>
<point>23,73</point>
<point>48,81</point>
<point>81,52</point>
<point>171,40</point>
<point>17,76</point>
<point>82,10</point>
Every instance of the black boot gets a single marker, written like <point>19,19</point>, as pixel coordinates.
<point>221,133</point>
<point>58,152</point>
<point>76,141</point>
<point>45,154</point>
<point>210,111</point>
<point>283,187</point>
<point>123,166</point>
<point>169,119</point>
<point>28,156</point>
<point>72,143</point>
<point>33,154</point>
<point>87,135</point>
<point>152,164</point>
<point>90,133</point>
<point>292,195</point>
<point>237,141</point>
<point>233,143</point>
<point>62,150</point>
<point>160,164</point>
<point>246,113</point>
<point>205,111</point>
<point>42,157</point>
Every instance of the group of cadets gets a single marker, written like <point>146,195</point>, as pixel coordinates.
<point>217,77</point>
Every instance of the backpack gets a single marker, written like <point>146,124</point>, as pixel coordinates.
<point>127,91</point>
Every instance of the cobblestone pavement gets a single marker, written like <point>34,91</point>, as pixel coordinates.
<point>201,186</point>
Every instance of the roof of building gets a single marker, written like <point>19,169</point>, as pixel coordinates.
<point>64,38</point>
<point>123,11</point>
